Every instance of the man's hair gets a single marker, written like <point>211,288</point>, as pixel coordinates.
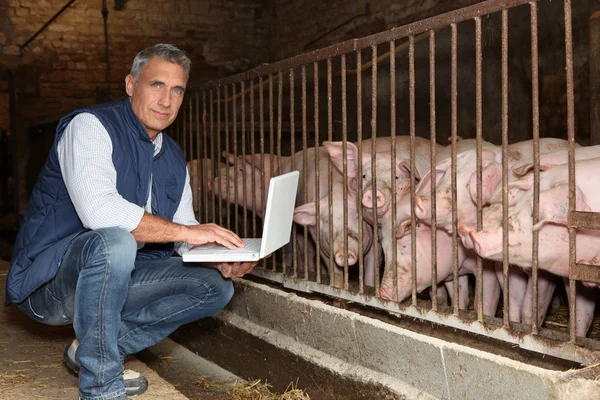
<point>166,52</point>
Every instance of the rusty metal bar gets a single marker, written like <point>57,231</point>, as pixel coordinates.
<point>432,133</point>
<point>505,262</point>
<point>393,177</point>
<point>479,139</point>
<point>235,160</point>
<point>305,166</point>
<point>271,146</point>
<point>585,272</point>
<point>439,21</point>
<point>535,108</point>
<point>236,193</point>
<point>317,171</point>
<point>583,220</point>
<point>214,156</point>
<point>214,163</point>
<point>454,130</point>
<point>218,134</point>
<point>345,167</point>
<point>253,162</point>
<point>293,150</point>
<point>279,123</point>
<point>329,177</point>
<point>359,132</point>
<point>572,183</point>
<point>244,183</point>
<point>200,193</point>
<point>374,161</point>
<point>261,111</point>
<point>413,219</point>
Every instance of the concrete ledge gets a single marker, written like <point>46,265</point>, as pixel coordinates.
<point>409,364</point>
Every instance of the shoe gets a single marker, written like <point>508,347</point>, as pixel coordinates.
<point>135,383</point>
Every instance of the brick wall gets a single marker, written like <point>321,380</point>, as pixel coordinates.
<point>64,65</point>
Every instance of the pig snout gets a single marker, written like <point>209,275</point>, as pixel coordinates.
<point>339,257</point>
<point>367,199</point>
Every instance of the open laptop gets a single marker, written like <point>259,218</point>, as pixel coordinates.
<point>277,227</point>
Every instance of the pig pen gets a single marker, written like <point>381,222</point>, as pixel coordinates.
<point>369,123</point>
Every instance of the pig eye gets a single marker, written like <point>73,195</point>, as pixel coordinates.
<point>364,176</point>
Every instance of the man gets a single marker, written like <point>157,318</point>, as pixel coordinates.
<point>111,204</point>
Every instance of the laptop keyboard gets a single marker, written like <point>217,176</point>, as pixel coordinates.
<point>252,246</point>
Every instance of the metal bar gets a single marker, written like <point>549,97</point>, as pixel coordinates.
<point>359,132</point>
<point>440,21</point>
<point>218,134</point>
<point>331,265</point>
<point>253,163</point>
<point>585,272</point>
<point>235,160</point>
<point>22,46</point>
<point>214,155</point>
<point>244,183</point>
<point>213,162</point>
<point>571,138</point>
<point>317,171</point>
<point>279,122</point>
<point>12,106</point>
<point>583,220</point>
<point>535,108</point>
<point>505,260</point>
<point>432,133</point>
<point>199,194</point>
<point>479,139</point>
<point>305,166</point>
<point>236,193</point>
<point>454,129</point>
<point>547,342</point>
<point>393,177</point>
<point>106,52</point>
<point>374,161</point>
<point>413,219</point>
<point>345,167</point>
<point>272,145</point>
<point>293,151</point>
<point>261,111</point>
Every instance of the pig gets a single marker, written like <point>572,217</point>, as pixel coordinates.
<point>553,234</point>
<point>201,175</point>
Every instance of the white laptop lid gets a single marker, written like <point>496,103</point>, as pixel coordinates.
<point>277,226</point>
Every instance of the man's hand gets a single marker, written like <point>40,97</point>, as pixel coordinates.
<point>212,233</point>
<point>236,269</point>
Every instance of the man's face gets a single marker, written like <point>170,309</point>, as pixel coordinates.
<point>157,95</point>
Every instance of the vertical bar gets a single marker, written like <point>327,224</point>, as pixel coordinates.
<point>200,193</point>
<point>535,108</point>
<point>213,162</point>
<point>279,126</point>
<point>305,165</point>
<point>214,156</point>
<point>235,166</point>
<point>329,181</point>
<point>244,183</point>
<point>317,165</point>
<point>374,159</point>
<point>235,151</point>
<point>253,165</point>
<point>261,112</point>
<point>190,137</point>
<point>271,147</point>
<point>505,260</point>
<point>454,129</point>
<point>571,137</point>
<point>413,220</point>
<point>479,139</point>
<point>393,179</point>
<point>432,132</point>
<point>361,264</point>
<point>219,149</point>
<point>345,167</point>
<point>293,150</point>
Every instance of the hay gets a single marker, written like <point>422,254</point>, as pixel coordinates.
<point>206,383</point>
<point>261,391</point>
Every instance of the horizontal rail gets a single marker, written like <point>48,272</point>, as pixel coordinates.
<point>584,220</point>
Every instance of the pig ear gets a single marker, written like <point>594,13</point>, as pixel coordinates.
<point>403,188</point>
<point>554,205</point>
<point>424,186</point>
<point>421,167</point>
<point>527,168</point>
<point>336,154</point>
<point>403,229</point>
<point>471,240</point>
<point>305,214</point>
<point>523,184</point>
<point>229,157</point>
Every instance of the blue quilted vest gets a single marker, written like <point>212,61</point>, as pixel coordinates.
<point>51,223</point>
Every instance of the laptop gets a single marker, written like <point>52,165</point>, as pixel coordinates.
<point>277,227</point>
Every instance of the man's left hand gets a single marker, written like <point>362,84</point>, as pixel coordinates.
<point>236,269</point>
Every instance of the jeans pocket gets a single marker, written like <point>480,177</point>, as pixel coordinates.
<point>43,307</point>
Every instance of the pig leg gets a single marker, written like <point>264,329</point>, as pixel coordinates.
<point>546,285</point>
<point>441,294</point>
<point>491,288</point>
<point>463,291</point>
<point>370,264</point>
<point>585,304</point>
<point>517,289</point>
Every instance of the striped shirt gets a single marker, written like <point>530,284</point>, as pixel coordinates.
<point>85,158</point>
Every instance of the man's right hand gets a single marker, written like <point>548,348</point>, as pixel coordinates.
<point>197,235</point>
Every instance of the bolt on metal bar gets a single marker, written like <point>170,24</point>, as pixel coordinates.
<point>345,167</point>
<point>329,180</point>
<point>393,177</point>
<point>432,132</point>
<point>235,160</point>
<point>454,130</point>
<point>572,183</point>
<point>374,161</point>
<point>305,164</point>
<point>317,165</point>
<point>535,108</point>
<point>359,133</point>
<point>236,193</point>
<point>293,151</point>
<point>413,219</point>
<point>243,134</point>
<point>479,139</point>
<point>505,260</point>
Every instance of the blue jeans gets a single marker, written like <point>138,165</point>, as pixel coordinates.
<point>119,306</point>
